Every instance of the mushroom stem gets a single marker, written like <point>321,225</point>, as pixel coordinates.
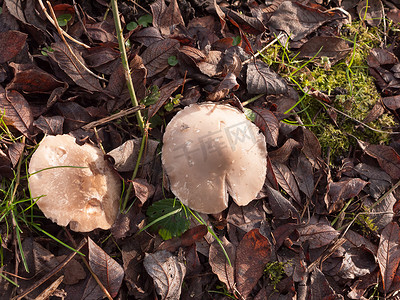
<point>125,63</point>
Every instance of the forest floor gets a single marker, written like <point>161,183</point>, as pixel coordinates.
<point>320,79</point>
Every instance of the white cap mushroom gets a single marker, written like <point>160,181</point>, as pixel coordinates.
<point>210,150</point>
<point>86,198</point>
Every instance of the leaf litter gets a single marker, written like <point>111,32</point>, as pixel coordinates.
<point>322,227</point>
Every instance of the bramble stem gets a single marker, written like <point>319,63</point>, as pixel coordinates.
<point>125,63</point>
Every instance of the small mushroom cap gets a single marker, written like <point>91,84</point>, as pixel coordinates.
<point>86,198</point>
<point>210,150</point>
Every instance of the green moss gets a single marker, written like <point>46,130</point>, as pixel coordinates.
<point>351,75</point>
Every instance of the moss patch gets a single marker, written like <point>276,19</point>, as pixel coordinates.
<point>350,84</point>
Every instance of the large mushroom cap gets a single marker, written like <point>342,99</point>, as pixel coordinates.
<point>210,150</point>
<point>87,198</point>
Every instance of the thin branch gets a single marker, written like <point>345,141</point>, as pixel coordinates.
<point>59,29</point>
<point>54,22</point>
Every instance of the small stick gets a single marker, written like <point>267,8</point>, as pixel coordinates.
<point>68,46</point>
<point>62,30</point>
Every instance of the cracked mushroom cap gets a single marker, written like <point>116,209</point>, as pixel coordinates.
<point>86,198</point>
<point>211,150</point>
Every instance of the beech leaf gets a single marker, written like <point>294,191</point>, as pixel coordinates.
<point>167,272</point>
<point>388,254</point>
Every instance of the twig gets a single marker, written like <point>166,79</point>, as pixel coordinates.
<point>54,22</point>
<point>125,63</point>
<point>265,48</point>
<point>68,46</point>
<point>113,117</point>
<point>50,274</point>
<point>355,120</point>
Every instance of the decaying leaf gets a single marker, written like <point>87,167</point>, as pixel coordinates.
<point>167,272</point>
<point>219,264</point>
<point>11,43</point>
<point>16,110</point>
<point>252,254</point>
<point>106,268</point>
<point>261,79</point>
<point>388,254</point>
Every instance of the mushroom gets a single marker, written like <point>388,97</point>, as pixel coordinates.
<point>210,150</point>
<point>74,184</point>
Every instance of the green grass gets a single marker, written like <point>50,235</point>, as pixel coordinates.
<point>352,75</point>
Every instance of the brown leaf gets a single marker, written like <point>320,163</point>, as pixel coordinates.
<point>311,148</point>
<point>11,43</point>
<point>297,20</point>
<point>74,69</point>
<point>165,92</point>
<point>317,235</point>
<point>343,190</point>
<point>261,79</point>
<point>167,272</point>
<point>248,24</point>
<point>50,125</point>
<point>320,287</point>
<point>283,153</point>
<point>332,47</point>
<point>382,214</point>
<point>187,239</point>
<point>143,190</point>
<point>252,254</point>
<point>371,11</point>
<point>386,156</point>
<point>378,57</point>
<point>219,264</point>
<point>392,103</point>
<point>164,18</point>
<point>30,79</point>
<point>102,31</point>
<point>16,110</point>
<point>281,207</point>
<point>286,180</point>
<point>268,123</point>
<point>106,268</point>
<point>303,173</point>
<point>155,57</point>
<point>75,115</point>
<point>15,152</point>
<point>388,254</point>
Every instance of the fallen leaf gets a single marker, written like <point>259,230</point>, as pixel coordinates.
<point>303,173</point>
<point>286,180</point>
<point>16,110</point>
<point>320,287</point>
<point>334,48</point>
<point>342,191</point>
<point>73,66</point>
<point>164,18</point>
<point>143,190</point>
<point>268,123</point>
<point>155,57</point>
<point>371,11</point>
<point>388,254</point>
<point>252,254</point>
<point>219,264</point>
<point>317,235</point>
<point>11,43</point>
<point>281,207</point>
<point>15,152</point>
<point>50,125</point>
<point>297,20</point>
<point>106,268</point>
<point>386,156</point>
<point>261,79</point>
<point>167,272</point>
<point>28,78</point>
